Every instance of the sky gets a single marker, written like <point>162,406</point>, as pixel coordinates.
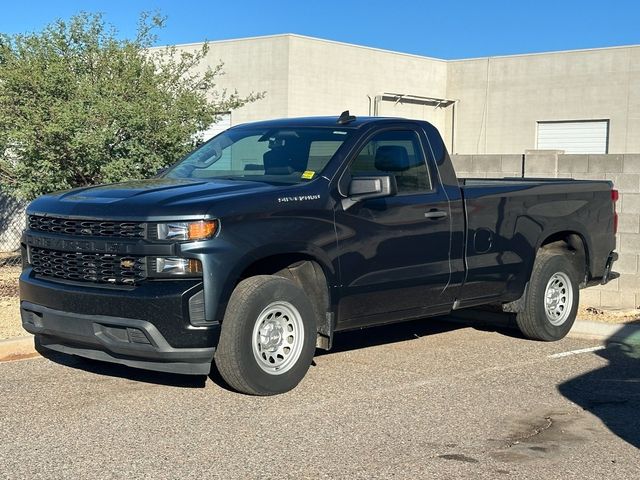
<point>444,29</point>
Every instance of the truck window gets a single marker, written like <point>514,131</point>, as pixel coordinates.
<point>272,155</point>
<point>398,153</point>
<point>320,152</point>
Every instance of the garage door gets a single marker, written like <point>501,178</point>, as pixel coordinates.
<point>574,137</point>
<point>215,128</point>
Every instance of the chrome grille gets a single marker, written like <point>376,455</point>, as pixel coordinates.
<point>88,267</point>
<point>93,228</point>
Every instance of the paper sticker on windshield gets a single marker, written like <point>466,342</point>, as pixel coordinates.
<point>308,174</point>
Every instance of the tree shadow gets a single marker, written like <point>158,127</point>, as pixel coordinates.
<point>612,393</point>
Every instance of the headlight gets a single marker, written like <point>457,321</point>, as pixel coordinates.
<point>199,230</point>
<point>177,266</point>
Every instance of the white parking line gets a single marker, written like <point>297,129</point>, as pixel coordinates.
<point>577,352</point>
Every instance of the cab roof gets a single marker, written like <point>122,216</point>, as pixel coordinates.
<point>324,122</point>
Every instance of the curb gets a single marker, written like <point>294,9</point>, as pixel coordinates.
<point>17,349</point>
<point>584,329</point>
<point>609,332</point>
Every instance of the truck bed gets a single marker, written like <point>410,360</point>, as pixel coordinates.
<point>505,218</point>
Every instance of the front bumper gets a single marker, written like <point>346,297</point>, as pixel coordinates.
<point>146,327</point>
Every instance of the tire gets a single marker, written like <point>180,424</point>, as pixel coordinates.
<point>265,316</point>
<point>554,273</point>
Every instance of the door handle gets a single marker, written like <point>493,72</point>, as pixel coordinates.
<point>435,214</point>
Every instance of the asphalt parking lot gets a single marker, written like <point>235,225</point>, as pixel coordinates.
<point>426,399</point>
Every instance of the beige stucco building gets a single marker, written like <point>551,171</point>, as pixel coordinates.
<point>584,101</point>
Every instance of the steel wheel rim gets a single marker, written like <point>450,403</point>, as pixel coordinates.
<point>278,336</point>
<point>558,298</point>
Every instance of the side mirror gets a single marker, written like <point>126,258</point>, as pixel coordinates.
<point>364,188</point>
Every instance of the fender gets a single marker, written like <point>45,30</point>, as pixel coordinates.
<point>297,250</point>
<point>571,228</point>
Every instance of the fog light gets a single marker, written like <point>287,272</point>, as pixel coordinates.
<point>178,266</point>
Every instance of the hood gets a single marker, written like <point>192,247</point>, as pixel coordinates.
<point>151,199</point>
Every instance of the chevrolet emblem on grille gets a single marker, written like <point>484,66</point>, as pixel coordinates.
<point>86,231</point>
<point>127,263</point>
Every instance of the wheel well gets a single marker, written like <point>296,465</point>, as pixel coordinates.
<point>571,242</point>
<point>309,275</point>
<point>273,264</point>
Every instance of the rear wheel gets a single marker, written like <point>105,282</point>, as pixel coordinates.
<point>268,336</point>
<point>551,300</point>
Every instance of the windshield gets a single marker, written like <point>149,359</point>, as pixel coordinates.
<point>283,155</point>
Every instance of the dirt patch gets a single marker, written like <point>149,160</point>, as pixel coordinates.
<point>596,314</point>
<point>541,436</point>
<point>10,323</point>
<point>9,281</point>
<point>10,273</point>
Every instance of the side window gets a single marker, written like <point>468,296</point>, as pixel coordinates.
<point>398,153</point>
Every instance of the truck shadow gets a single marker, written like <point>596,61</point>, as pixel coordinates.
<point>404,331</point>
<point>122,371</point>
<point>343,342</point>
<point>612,393</point>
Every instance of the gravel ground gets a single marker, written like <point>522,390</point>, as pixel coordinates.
<point>10,324</point>
<point>423,399</point>
<point>609,316</point>
<point>9,280</point>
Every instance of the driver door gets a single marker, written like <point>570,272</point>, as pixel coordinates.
<point>394,251</point>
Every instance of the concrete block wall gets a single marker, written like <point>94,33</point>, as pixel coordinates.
<point>487,166</point>
<point>622,170</point>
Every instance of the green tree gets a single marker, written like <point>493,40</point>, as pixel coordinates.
<point>79,106</point>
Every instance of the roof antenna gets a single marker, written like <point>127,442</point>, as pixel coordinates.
<point>346,118</point>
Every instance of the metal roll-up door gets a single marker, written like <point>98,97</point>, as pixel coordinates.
<point>589,136</point>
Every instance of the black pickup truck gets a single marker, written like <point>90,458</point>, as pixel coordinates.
<point>252,251</point>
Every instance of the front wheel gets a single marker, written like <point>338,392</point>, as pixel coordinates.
<point>551,301</point>
<point>268,336</point>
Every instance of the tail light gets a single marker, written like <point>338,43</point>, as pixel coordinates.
<point>614,199</point>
